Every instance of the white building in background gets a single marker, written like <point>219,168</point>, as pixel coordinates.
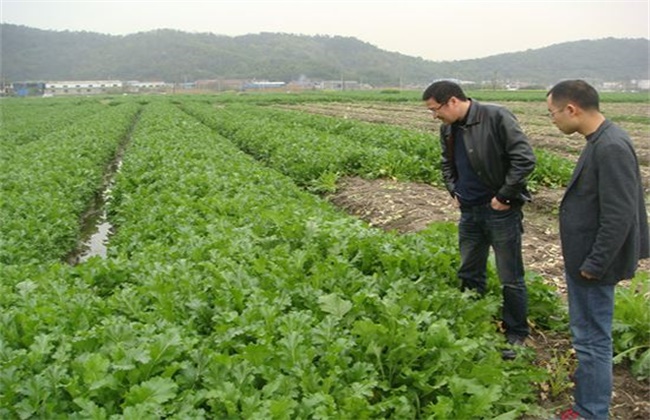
<point>339,85</point>
<point>85,87</point>
<point>135,86</point>
<point>642,84</point>
<point>627,86</point>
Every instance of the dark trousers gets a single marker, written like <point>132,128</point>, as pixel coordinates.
<point>480,228</point>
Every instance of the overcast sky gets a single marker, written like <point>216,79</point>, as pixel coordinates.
<point>432,29</point>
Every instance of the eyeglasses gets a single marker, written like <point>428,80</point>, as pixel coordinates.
<point>551,114</point>
<point>434,110</point>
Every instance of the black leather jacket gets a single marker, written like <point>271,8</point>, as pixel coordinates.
<point>498,151</point>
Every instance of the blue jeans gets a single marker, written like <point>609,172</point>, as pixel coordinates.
<point>591,309</point>
<point>480,228</point>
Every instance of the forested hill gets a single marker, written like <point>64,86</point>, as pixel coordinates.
<point>175,56</point>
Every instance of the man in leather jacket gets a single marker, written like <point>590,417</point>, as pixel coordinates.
<point>486,159</point>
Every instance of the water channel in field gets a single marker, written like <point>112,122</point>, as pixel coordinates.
<point>97,243</point>
<point>95,227</point>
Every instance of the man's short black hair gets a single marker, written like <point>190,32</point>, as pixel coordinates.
<point>579,92</point>
<point>443,90</point>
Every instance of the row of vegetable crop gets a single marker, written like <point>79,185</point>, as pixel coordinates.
<point>49,182</point>
<point>312,156</point>
<point>551,170</point>
<point>29,120</point>
<point>306,146</point>
<point>403,96</point>
<point>229,292</point>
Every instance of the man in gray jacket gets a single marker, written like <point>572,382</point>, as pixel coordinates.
<point>604,233</point>
<point>486,159</point>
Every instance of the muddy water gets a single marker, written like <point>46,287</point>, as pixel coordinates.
<point>97,244</point>
<point>96,228</point>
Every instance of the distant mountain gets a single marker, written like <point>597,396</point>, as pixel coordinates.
<point>175,56</point>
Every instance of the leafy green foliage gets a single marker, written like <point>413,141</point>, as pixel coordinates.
<point>544,304</point>
<point>551,170</point>
<point>630,326</point>
<point>47,183</point>
<point>230,292</point>
<point>24,122</point>
<point>305,146</point>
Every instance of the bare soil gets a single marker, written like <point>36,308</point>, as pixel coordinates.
<point>408,207</point>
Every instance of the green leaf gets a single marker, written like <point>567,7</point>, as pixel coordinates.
<point>156,391</point>
<point>90,410</point>
<point>641,367</point>
<point>510,415</point>
<point>333,304</point>
<point>443,408</point>
<point>94,370</point>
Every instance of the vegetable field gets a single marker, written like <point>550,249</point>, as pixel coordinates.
<point>232,287</point>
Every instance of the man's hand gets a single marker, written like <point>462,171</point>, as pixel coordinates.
<point>499,206</point>
<point>588,276</point>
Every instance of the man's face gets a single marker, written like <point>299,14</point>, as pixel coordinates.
<point>560,116</point>
<point>442,111</point>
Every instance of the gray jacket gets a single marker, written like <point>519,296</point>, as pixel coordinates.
<point>498,150</point>
<point>603,220</point>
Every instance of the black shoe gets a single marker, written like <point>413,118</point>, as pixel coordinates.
<point>508,354</point>
<point>516,340</point>
<point>513,341</point>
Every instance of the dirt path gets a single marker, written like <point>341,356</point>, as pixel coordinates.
<point>409,207</point>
